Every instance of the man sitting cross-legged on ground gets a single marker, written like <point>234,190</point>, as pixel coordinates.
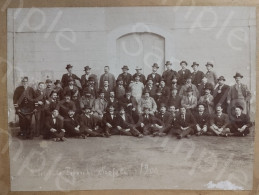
<point>146,122</point>
<point>240,123</point>
<point>109,121</point>
<point>219,123</point>
<point>71,125</point>
<point>185,122</point>
<point>202,119</point>
<point>54,127</point>
<point>163,123</point>
<point>89,124</point>
<point>124,124</point>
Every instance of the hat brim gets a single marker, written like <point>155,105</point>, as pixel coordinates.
<point>209,65</point>
<point>195,65</point>
<point>238,76</point>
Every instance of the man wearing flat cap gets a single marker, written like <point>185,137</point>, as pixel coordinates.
<point>239,94</point>
<point>125,76</point>
<point>169,73</point>
<point>197,75</point>
<point>24,104</point>
<point>85,77</point>
<point>142,77</point>
<point>183,74</point>
<point>66,77</point>
<point>211,75</point>
<point>220,94</point>
<point>154,76</point>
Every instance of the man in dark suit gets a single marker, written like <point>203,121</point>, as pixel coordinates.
<point>54,127</point>
<point>203,85</point>
<point>210,74</point>
<point>86,76</point>
<point>71,125</point>
<point>169,74</point>
<point>197,75</point>
<point>151,88</point>
<point>184,124</point>
<point>89,125</point>
<point>49,88</point>
<point>24,104</point>
<point>87,99</point>
<point>146,122</point>
<point>66,77</point>
<point>66,105</point>
<point>154,76</point>
<point>202,119</point>
<point>106,89</point>
<point>52,103</point>
<point>90,87</point>
<point>119,89</point>
<point>142,77</point>
<point>183,74</point>
<point>109,121</point>
<point>129,103</point>
<point>112,100</point>
<point>160,98</point>
<point>240,123</point>
<point>71,89</point>
<point>125,76</point>
<point>165,91</point>
<point>163,123</point>
<point>220,94</point>
<point>219,123</point>
<point>124,124</point>
<point>174,99</point>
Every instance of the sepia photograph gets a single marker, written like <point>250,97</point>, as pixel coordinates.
<point>150,97</point>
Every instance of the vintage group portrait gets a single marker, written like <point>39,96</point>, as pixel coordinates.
<point>131,97</point>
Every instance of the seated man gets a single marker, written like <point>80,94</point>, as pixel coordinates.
<point>100,105</point>
<point>189,101</point>
<point>119,89</point>
<point>87,99</point>
<point>91,87</point>
<point>66,105</point>
<point>202,119</point>
<point>174,99</point>
<point>106,89</point>
<point>124,124</point>
<point>174,113</point>
<point>219,123</point>
<point>148,102</point>
<point>71,89</point>
<point>164,121</point>
<point>71,125</point>
<point>208,100</point>
<point>109,121</point>
<point>240,123</point>
<point>146,122</point>
<point>185,122</point>
<point>112,100</point>
<point>54,127</point>
<point>51,103</point>
<point>151,88</point>
<point>188,85</point>
<point>89,125</point>
<point>160,98</point>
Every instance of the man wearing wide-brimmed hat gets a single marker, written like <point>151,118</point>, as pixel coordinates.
<point>197,75</point>
<point>68,75</point>
<point>211,75</point>
<point>220,94</point>
<point>125,76</point>
<point>154,76</point>
<point>184,73</point>
<point>239,94</point>
<point>142,77</point>
<point>85,78</point>
<point>169,73</point>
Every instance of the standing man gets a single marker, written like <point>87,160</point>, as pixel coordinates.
<point>169,74</point>
<point>220,94</point>
<point>211,75</point>
<point>239,94</point>
<point>66,77</point>
<point>107,76</point>
<point>24,104</point>
<point>197,75</point>
<point>154,76</point>
<point>125,76</point>
<point>85,77</point>
<point>142,77</point>
<point>184,73</point>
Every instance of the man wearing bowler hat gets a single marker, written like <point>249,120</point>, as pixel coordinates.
<point>239,94</point>
<point>184,73</point>
<point>211,75</point>
<point>125,76</point>
<point>142,77</point>
<point>154,76</point>
<point>220,94</point>
<point>197,75</point>
<point>169,74</point>
<point>68,75</point>
<point>85,77</point>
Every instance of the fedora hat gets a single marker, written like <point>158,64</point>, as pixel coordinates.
<point>194,64</point>
<point>48,81</point>
<point>87,68</point>
<point>125,67</point>
<point>155,65</point>
<point>57,82</point>
<point>138,68</point>
<point>69,66</point>
<point>238,75</point>
<point>183,62</point>
<point>221,78</point>
<point>209,64</point>
<point>168,63</point>
<point>239,106</point>
<point>25,78</point>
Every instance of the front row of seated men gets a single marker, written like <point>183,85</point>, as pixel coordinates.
<point>182,123</point>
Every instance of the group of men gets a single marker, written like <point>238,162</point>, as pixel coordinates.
<point>181,103</point>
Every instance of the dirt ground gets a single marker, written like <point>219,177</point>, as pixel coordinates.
<point>122,162</point>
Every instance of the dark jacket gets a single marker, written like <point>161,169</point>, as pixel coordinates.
<point>142,78</point>
<point>84,81</point>
<point>152,91</point>
<point>126,79</point>
<point>156,79</point>
<point>88,123</point>
<point>188,122</point>
<point>108,119</point>
<point>49,124</point>
<point>168,75</point>
<point>124,101</point>
<point>124,124</point>
<point>203,119</point>
<point>176,101</point>
<point>164,120</point>
<point>238,122</point>
<point>66,77</point>
<point>220,96</point>
<point>183,75</point>
<point>197,77</point>
<point>221,121</point>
